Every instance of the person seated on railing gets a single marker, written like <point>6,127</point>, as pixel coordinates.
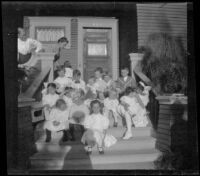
<point>27,47</point>
<point>125,81</point>
<point>62,81</point>
<point>49,98</point>
<point>132,108</point>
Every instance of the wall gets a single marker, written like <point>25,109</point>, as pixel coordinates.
<point>169,18</point>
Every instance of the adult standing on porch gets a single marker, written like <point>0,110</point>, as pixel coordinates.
<point>26,49</point>
<point>59,58</point>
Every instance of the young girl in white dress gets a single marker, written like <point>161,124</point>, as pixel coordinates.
<point>62,81</point>
<point>132,108</point>
<point>111,104</point>
<point>49,99</point>
<point>58,120</point>
<point>95,124</point>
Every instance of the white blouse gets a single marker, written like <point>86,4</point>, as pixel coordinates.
<point>50,99</point>
<point>24,47</point>
<point>63,82</point>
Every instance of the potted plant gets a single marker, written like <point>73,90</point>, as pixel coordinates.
<point>164,62</point>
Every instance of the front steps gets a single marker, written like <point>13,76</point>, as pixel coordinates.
<point>136,153</point>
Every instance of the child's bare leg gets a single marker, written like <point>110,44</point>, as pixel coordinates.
<point>115,118</point>
<point>100,143</point>
<point>128,124</point>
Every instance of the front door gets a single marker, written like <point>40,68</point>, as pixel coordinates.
<point>96,50</point>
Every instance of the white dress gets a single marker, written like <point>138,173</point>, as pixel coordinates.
<point>63,82</point>
<point>59,116</point>
<point>80,85</point>
<point>111,104</point>
<point>97,123</point>
<point>49,99</point>
<point>100,85</point>
<point>135,111</point>
<point>69,72</point>
<point>24,47</point>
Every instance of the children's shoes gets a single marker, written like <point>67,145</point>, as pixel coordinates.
<point>128,135</point>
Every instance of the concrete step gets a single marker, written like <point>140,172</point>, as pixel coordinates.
<point>72,159</point>
<point>131,144</point>
<point>115,131</point>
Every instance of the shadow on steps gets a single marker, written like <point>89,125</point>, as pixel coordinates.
<point>71,159</point>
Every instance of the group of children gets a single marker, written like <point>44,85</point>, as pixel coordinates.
<point>69,101</point>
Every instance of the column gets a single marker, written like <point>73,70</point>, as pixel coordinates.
<point>135,59</point>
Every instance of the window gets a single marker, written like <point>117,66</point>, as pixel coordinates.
<point>97,49</point>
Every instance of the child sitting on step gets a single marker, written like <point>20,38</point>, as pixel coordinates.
<point>77,82</point>
<point>90,85</point>
<point>111,104</point>
<point>68,69</point>
<point>109,83</point>
<point>100,84</point>
<point>58,120</point>
<point>132,108</point>
<point>62,81</point>
<point>77,113</point>
<point>49,99</point>
<point>67,96</point>
<point>95,124</point>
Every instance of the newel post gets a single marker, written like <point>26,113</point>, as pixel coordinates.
<point>135,59</point>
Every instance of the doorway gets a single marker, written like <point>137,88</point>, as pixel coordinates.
<point>98,45</point>
<point>96,50</point>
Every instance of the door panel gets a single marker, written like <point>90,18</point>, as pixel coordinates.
<point>96,50</point>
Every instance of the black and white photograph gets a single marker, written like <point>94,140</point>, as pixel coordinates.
<point>99,87</point>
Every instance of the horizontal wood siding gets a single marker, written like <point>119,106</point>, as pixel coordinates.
<point>72,54</point>
<point>162,17</point>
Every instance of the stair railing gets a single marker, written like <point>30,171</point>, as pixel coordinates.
<point>46,70</point>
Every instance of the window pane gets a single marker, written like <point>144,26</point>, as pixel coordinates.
<point>97,49</point>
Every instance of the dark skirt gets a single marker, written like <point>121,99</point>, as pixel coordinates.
<point>24,58</point>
